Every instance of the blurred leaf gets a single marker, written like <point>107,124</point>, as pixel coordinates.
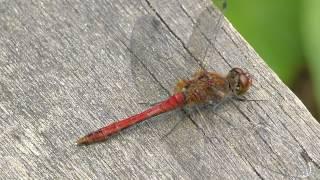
<point>311,36</point>
<point>272,27</point>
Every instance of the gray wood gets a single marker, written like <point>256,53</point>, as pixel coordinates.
<point>66,69</point>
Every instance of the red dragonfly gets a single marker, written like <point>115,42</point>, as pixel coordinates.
<point>203,87</point>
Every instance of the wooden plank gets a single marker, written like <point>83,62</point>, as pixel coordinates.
<point>67,68</point>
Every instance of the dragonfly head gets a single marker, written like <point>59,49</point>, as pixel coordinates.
<point>239,81</point>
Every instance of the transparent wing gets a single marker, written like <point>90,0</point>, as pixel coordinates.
<point>148,47</point>
<point>157,61</point>
<point>159,58</point>
<point>202,42</point>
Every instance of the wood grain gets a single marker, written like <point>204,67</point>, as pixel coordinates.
<point>70,67</point>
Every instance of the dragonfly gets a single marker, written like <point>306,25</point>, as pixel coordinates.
<point>150,47</point>
<point>203,87</point>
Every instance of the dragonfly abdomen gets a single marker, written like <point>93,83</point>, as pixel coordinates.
<point>173,102</point>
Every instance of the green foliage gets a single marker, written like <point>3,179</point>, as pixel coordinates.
<point>272,27</point>
<point>310,25</point>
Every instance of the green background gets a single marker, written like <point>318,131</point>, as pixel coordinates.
<point>286,34</point>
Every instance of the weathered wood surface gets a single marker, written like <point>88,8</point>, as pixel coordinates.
<point>66,68</point>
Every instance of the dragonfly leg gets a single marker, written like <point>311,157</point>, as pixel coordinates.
<point>171,130</point>
<point>242,98</point>
<point>215,105</point>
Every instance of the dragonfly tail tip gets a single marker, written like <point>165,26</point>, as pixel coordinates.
<point>82,141</point>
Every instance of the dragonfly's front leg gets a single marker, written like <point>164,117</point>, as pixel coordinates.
<point>243,98</point>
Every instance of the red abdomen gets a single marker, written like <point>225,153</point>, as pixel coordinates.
<point>171,103</point>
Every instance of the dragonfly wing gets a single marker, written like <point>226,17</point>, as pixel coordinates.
<point>158,58</point>
<point>146,40</point>
<point>203,41</point>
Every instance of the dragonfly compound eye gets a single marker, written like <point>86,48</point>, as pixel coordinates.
<point>245,81</point>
